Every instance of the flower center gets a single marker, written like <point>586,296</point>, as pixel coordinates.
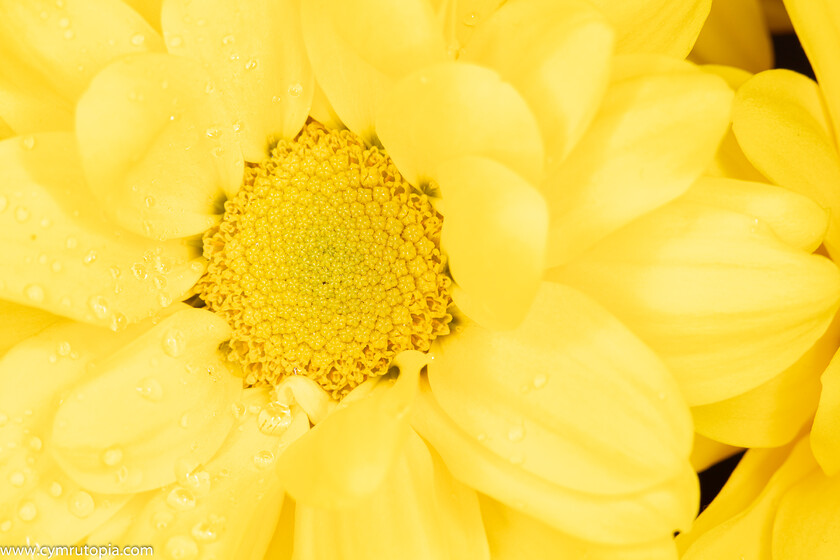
<point>327,263</point>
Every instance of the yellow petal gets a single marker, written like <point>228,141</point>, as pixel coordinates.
<point>706,452</point>
<point>806,522</point>
<point>347,456</point>
<point>780,121</point>
<point>745,484</point>
<point>513,536</point>
<point>735,35</point>
<point>817,23</point>
<point>560,66</point>
<point>19,322</point>
<point>635,155</point>
<point>494,237</point>
<point>776,16</point>
<point>720,299</point>
<point>773,413</point>
<point>28,104</point>
<point>825,433</point>
<point>254,54</point>
<point>618,519</point>
<point>551,395</point>
<point>66,43</point>
<point>150,10</point>
<point>322,111</point>
<point>659,26</point>
<point>227,507</point>
<point>157,147</point>
<point>456,109</point>
<point>748,533</point>
<point>360,48</point>
<point>282,542</point>
<point>61,256</point>
<point>795,219</point>
<point>459,20</point>
<point>113,530</point>
<point>166,398</point>
<point>419,512</point>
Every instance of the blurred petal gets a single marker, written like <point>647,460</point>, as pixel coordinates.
<point>825,434</point>
<point>560,66</point>
<point>655,26</point>
<point>150,10</point>
<point>419,512</point>
<point>817,23</point>
<point>776,16</point>
<point>156,146</point>
<point>347,456</point>
<point>780,121</point>
<point>360,48</point>
<point>494,236</point>
<point>773,413</point>
<point>254,53</point>
<point>228,507</point>
<point>454,109</point>
<point>19,322</point>
<point>717,296</point>
<point>61,256</point>
<point>514,535</point>
<point>166,397</point>
<point>806,524</point>
<point>28,104</point>
<point>735,35</point>
<point>282,542</point>
<point>748,532</point>
<point>459,20</point>
<point>707,452</point>
<point>634,157</point>
<point>66,43</point>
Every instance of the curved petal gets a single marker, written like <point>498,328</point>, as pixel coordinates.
<point>494,236</point>
<point>825,433</point>
<point>735,35</point>
<point>655,26</point>
<point>19,322</point>
<point>360,48</point>
<point>365,436</point>
<point>150,10</point>
<point>66,43</point>
<point>635,157</point>
<point>560,65</point>
<point>552,394</point>
<point>617,519</point>
<point>817,24</point>
<point>167,398</point>
<point>718,297</point>
<point>454,109</point>
<point>806,522</point>
<point>28,104</point>
<point>780,121</point>
<point>228,507</point>
<point>773,413</point>
<point>61,256</point>
<point>513,536</point>
<point>706,452</point>
<point>460,20</point>
<point>254,53</point>
<point>419,512</point>
<point>156,146</point>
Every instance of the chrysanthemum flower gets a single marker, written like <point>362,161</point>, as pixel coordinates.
<point>783,502</point>
<point>370,330</point>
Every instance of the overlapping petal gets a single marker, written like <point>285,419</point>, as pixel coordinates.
<point>254,53</point>
<point>19,322</point>
<point>735,35</point>
<point>157,146</point>
<point>634,157</point>
<point>360,48</point>
<point>63,257</point>
<point>825,433</point>
<point>806,523</point>
<point>715,293</point>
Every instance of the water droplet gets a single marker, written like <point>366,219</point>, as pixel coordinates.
<point>175,41</point>
<point>212,132</point>
<point>64,23</point>
<point>160,281</point>
<point>540,380</point>
<point>251,64</point>
<point>90,257</point>
<point>184,422</point>
<point>45,223</point>
<point>228,39</point>
<point>150,389</point>
<point>238,409</point>
<point>174,342</point>
<point>138,39</point>
<point>181,548</point>
<point>64,348</point>
<point>28,142</point>
<point>35,443</point>
<point>162,519</point>
<point>139,271</point>
<point>81,504</point>
<point>71,243</point>
<point>28,511</point>
<point>274,418</point>
<point>263,459</point>
<point>180,499</point>
<point>56,490</point>
<point>517,433</point>
<point>112,456</point>
<point>204,532</point>
<point>21,214</point>
<point>99,306</point>
<point>149,201</point>
<point>295,90</point>
<point>69,34</point>
<point>471,19</point>
<point>35,293</point>
<point>17,479</point>
<point>5,526</point>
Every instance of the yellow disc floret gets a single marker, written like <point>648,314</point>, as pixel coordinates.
<point>326,264</point>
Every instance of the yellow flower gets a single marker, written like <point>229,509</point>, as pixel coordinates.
<point>559,144</point>
<point>782,502</point>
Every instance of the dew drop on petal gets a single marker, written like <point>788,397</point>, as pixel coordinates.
<point>28,511</point>
<point>112,456</point>
<point>99,306</point>
<point>263,459</point>
<point>540,380</point>
<point>517,433</point>
<point>35,293</point>
<point>150,388</point>
<point>274,418</point>
<point>180,499</point>
<point>181,548</point>
<point>162,519</point>
<point>17,479</point>
<point>204,532</point>
<point>28,142</point>
<point>21,214</point>
<point>56,490</point>
<point>81,504</point>
<point>138,39</point>
<point>295,90</point>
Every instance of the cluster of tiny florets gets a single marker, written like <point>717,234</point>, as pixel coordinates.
<point>327,264</point>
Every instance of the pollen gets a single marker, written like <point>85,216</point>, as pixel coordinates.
<point>327,263</point>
